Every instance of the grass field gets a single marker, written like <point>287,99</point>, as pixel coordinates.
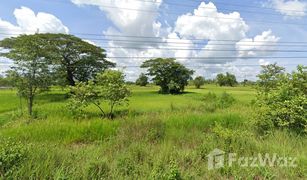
<point>155,137</point>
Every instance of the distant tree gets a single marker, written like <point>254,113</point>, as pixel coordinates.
<point>170,75</point>
<point>31,71</point>
<point>4,82</point>
<point>226,80</point>
<point>269,77</point>
<point>75,59</point>
<point>142,80</point>
<point>199,81</point>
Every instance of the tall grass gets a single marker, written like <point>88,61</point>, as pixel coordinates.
<point>157,137</point>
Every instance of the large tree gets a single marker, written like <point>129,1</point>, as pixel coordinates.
<point>76,59</point>
<point>31,71</point>
<point>170,75</point>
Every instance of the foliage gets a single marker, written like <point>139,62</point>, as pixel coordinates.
<point>283,100</point>
<point>212,101</point>
<point>226,80</point>
<point>269,77</point>
<point>170,75</point>
<point>113,89</point>
<point>142,80</point>
<point>82,95</point>
<point>110,88</point>
<point>143,144</point>
<point>11,156</point>
<point>75,59</point>
<point>4,82</point>
<point>199,81</point>
<point>31,73</point>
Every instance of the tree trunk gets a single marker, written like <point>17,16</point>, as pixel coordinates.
<point>30,105</point>
<point>70,77</point>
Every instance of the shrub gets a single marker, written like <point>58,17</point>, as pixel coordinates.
<point>212,101</point>
<point>226,100</point>
<point>11,156</point>
<point>285,106</point>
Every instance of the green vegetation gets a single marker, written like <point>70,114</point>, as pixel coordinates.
<point>142,80</point>
<point>85,131</point>
<point>282,99</point>
<point>199,81</point>
<point>226,80</point>
<point>170,75</point>
<point>156,137</point>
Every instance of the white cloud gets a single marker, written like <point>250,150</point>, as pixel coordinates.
<point>289,8</point>
<point>261,45</point>
<point>127,20</point>
<point>263,62</point>
<point>28,22</point>
<point>205,24</point>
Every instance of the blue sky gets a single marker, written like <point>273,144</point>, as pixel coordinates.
<point>172,21</point>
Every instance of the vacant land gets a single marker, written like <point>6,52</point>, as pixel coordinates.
<point>155,137</point>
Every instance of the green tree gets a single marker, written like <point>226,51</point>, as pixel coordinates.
<point>31,71</point>
<point>113,89</point>
<point>170,75</point>
<point>283,101</point>
<point>269,77</point>
<point>75,59</point>
<point>226,80</point>
<point>199,81</point>
<point>142,80</point>
<point>110,88</point>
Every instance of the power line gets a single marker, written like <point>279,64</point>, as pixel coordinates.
<point>249,6</point>
<point>250,12</point>
<point>204,49</point>
<point>170,13</point>
<point>201,16</point>
<point>163,40</point>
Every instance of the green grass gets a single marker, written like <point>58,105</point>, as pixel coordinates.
<point>155,137</point>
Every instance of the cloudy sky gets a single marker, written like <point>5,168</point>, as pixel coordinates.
<point>207,36</point>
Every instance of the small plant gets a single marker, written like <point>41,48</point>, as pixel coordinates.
<point>98,170</point>
<point>226,100</point>
<point>11,156</point>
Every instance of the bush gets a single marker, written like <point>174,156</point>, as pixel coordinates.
<point>225,101</point>
<point>285,106</point>
<point>212,101</point>
<point>11,156</point>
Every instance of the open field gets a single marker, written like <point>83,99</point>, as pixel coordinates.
<point>155,137</point>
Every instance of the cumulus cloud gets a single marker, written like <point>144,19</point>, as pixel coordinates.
<point>125,18</point>
<point>28,22</point>
<point>261,45</point>
<point>213,30</point>
<point>207,23</point>
<point>289,8</point>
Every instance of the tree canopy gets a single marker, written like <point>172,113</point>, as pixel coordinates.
<point>226,80</point>
<point>31,71</point>
<point>199,81</point>
<point>142,80</point>
<point>170,75</point>
<point>74,58</point>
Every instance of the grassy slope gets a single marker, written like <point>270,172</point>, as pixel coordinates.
<point>160,137</point>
